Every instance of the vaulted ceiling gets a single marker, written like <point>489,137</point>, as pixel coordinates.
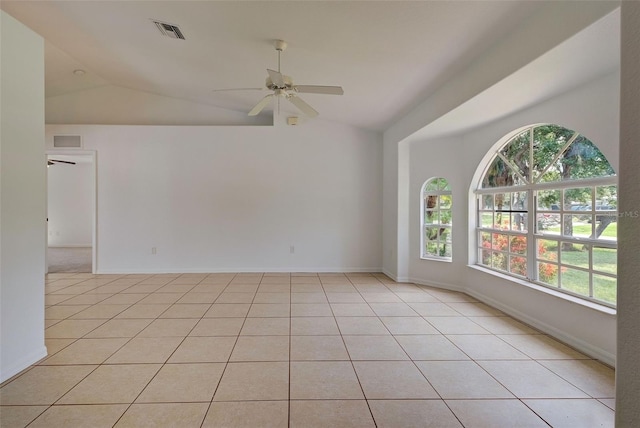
<point>388,56</point>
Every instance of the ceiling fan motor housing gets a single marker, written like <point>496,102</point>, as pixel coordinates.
<point>280,45</point>
<point>288,82</point>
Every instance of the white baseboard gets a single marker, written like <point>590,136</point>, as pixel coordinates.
<point>443,285</point>
<point>579,344</point>
<point>71,246</point>
<point>240,270</point>
<point>23,363</point>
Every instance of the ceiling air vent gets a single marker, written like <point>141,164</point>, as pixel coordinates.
<point>67,141</point>
<point>169,30</point>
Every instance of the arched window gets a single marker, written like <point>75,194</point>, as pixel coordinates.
<point>436,219</point>
<point>547,211</point>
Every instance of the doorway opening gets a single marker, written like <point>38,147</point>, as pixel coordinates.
<point>71,211</point>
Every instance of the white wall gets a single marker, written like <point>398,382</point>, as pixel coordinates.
<point>390,209</point>
<point>428,160</point>
<point>560,20</point>
<point>591,110</point>
<point>70,204</point>
<point>110,104</point>
<point>628,373</point>
<point>22,197</point>
<point>236,198</point>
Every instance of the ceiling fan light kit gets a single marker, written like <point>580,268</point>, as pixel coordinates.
<point>283,87</point>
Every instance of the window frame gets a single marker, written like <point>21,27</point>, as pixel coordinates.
<point>533,234</point>
<point>424,193</point>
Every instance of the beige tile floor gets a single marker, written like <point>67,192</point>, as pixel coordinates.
<point>294,350</point>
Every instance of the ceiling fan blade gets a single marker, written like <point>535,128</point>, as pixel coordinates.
<point>261,104</point>
<point>315,89</point>
<point>237,89</point>
<point>303,106</point>
<point>61,161</point>
<point>277,78</point>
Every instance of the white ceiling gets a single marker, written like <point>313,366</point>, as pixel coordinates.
<point>387,55</point>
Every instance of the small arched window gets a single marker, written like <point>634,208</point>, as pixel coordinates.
<point>436,220</point>
<point>547,211</point>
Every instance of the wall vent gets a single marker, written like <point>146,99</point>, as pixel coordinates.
<point>169,30</point>
<point>67,141</point>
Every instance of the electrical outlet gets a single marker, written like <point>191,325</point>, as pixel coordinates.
<point>292,249</point>
<point>153,250</point>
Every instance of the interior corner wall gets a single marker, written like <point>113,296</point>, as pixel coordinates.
<point>70,204</point>
<point>628,368</point>
<point>592,110</point>
<point>211,199</point>
<point>404,252</point>
<point>390,209</point>
<point>22,197</point>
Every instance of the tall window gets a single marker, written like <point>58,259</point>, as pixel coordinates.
<point>547,211</point>
<point>436,219</point>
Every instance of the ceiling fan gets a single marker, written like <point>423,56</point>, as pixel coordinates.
<point>54,161</point>
<point>283,87</point>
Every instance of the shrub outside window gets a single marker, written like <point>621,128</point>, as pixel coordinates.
<point>436,212</point>
<point>547,213</point>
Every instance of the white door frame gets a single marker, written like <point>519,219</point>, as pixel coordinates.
<point>94,201</point>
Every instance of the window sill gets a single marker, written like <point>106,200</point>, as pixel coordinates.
<point>437,259</point>
<point>549,291</point>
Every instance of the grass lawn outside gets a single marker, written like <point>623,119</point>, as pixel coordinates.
<point>603,259</point>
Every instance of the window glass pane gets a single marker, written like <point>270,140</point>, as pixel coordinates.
<point>431,185</point>
<point>605,288</point>
<point>547,249</point>
<point>500,241</point>
<point>575,255</point>
<point>606,227</point>
<point>502,204</point>
<point>548,273</point>
<point>574,280</point>
<point>447,247</point>
<point>486,219</point>
<point>519,203</point>
<point>548,140</point>
<point>577,199</point>
<point>485,257</point>
<point>548,224</point>
<point>499,261</point>
<point>430,216</point>
<point>607,197</point>
<point>499,174</point>
<point>519,222</point>
<point>431,233</point>
<point>605,260</point>
<point>431,248</point>
<point>582,159</point>
<point>485,240</point>
<point>431,202</point>
<point>577,226</point>
<point>517,152</point>
<point>486,202</point>
<point>444,185</point>
<point>518,245</point>
<point>518,265</point>
<point>445,217</point>
<point>445,201</point>
<point>549,200</point>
